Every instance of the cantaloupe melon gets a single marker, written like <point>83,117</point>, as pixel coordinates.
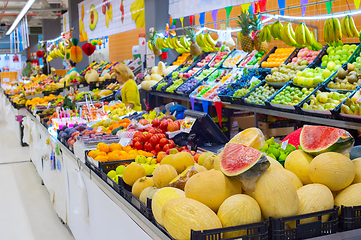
<point>147,78</point>
<point>181,161</point>
<point>274,164</point>
<point>209,162</point>
<point>296,182</point>
<point>298,162</point>
<point>181,180</point>
<point>350,196</point>
<point>93,76</point>
<point>167,160</point>
<point>276,195</point>
<point>314,198</point>
<point>332,169</point>
<point>141,184</point>
<point>200,168</point>
<point>132,173</point>
<point>163,174</point>
<point>146,193</point>
<point>160,198</point>
<point>357,163</point>
<point>236,210</point>
<point>181,215</point>
<point>203,157</point>
<point>212,188</point>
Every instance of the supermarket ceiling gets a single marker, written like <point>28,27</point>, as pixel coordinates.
<point>41,9</point>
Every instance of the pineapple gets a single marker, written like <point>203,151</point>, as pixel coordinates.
<point>243,36</point>
<point>256,27</point>
<point>195,49</point>
<point>152,38</point>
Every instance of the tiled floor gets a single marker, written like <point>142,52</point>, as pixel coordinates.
<point>25,207</point>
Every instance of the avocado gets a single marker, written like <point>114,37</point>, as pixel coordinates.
<point>93,17</point>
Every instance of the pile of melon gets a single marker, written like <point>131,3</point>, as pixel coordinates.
<point>157,74</point>
<point>199,196</point>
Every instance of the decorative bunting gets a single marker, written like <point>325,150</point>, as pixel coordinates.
<point>181,19</point>
<point>228,12</point>
<point>214,14</point>
<point>174,22</point>
<point>357,3</point>
<point>170,21</point>
<point>329,7</point>
<point>303,9</point>
<point>245,7</point>
<point>192,102</point>
<point>262,5</point>
<point>205,105</point>
<point>219,105</point>
<point>191,19</point>
<point>202,18</point>
<point>282,4</point>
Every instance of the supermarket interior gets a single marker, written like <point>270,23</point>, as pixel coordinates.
<point>128,119</point>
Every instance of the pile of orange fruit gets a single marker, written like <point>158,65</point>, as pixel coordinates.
<point>115,152</point>
<point>277,58</point>
<point>37,100</point>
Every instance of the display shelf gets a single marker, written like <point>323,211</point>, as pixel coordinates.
<point>304,118</point>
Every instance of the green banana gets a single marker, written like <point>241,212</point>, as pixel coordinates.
<point>348,27</point>
<point>300,36</point>
<point>337,27</point>
<point>269,35</point>
<point>355,32</point>
<point>331,30</point>
<point>326,37</point>
<point>344,23</point>
<point>200,40</point>
<point>274,30</point>
<point>279,26</point>
<point>308,37</point>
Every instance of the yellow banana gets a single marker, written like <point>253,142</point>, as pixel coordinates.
<point>169,42</point>
<point>348,27</point>
<point>300,35</point>
<point>326,37</point>
<point>199,40</point>
<point>210,40</point>
<point>176,42</point>
<point>343,26</point>
<point>183,41</point>
<point>158,43</point>
<point>355,32</point>
<point>337,26</point>
<point>150,45</point>
<point>286,35</point>
<point>331,30</point>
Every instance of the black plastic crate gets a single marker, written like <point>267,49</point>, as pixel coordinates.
<point>95,85</point>
<point>278,231</point>
<point>350,218</point>
<point>244,102</point>
<point>267,55</point>
<point>108,98</point>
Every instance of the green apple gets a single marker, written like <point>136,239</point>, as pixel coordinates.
<point>324,64</point>
<point>337,62</point>
<point>300,81</point>
<point>338,48</point>
<point>325,58</point>
<point>112,173</point>
<point>326,74</point>
<point>339,52</point>
<point>346,46</point>
<point>310,75</point>
<point>310,82</point>
<point>358,59</point>
<point>344,52</point>
<point>331,65</point>
<point>329,49</point>
<point>337,56</point>
<point>331,53</point>
<point>336,67</point>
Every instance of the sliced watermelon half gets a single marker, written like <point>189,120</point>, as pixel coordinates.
<point>319,139</point>
<point>237,159</point>
<point>293,138</point>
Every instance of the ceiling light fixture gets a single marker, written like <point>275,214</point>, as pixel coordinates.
<point>20,16</point>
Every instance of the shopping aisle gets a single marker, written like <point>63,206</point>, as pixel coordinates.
<point>26,210</point>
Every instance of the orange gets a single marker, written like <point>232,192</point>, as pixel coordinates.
<point>115,146</point>
<point>103,147</point>
<point>93,153</point>
<point>113,157</point>
<point>118,152</point>
<point>102,153</point>
<point>160,156</point>
<point>101,158</point>
<point>127,148</point>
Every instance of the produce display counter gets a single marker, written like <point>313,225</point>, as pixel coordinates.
<point>299,117</point>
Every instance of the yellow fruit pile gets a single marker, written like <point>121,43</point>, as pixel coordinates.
<point>41,101</point>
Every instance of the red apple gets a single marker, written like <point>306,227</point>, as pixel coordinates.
<point>155,122</point>
<point>173,126</point>
<point>164,124</point>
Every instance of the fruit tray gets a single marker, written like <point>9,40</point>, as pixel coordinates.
<point>252,56</point>
<point>244,102</point>
<point>267,55</point>
<point>234,58</point>
<point>356,54</point>
<point>353,55</point>
<point>332,80</point>
<point>318,113</point>
<point>350,218</point>
<point>344,116</point>
<point>278,231</point>
<point>316,62</point>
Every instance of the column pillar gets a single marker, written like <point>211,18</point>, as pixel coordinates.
<point>52,29</point>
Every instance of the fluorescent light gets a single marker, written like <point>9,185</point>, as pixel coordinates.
<point>20,16</point>
<point>337,15</point>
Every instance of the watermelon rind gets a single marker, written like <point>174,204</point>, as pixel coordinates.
<point>255,165</point>
<point>342,144</point>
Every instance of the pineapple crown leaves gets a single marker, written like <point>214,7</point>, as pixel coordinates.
<point>244,23</point>
<point>152,36</point>
<point>190,32</point>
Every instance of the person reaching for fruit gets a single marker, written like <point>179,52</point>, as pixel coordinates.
<point>129,91</point>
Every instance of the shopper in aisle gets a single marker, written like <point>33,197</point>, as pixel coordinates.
<point>46,68</point>
<point>129,91</point>
<point>27,70</point>
<point>72,67</point>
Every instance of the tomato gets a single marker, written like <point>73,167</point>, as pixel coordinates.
<point>161,135</point>
<point>154,131</point>
<point>148,136</point>
<point>158,148</point>
<point>136,139</point>
<point>173,126</point>
<point>147,129</point>
<point>138,146</point>
<point>171,142</point>
<point>155,122</point>
<point>163,142</point>
<point>143,139</point>
<point>154,141</point>
<point>154,153</point>
<point>148,147</point>
<point>144,122</point>
<point>138,134</point>
<point>167,147</point>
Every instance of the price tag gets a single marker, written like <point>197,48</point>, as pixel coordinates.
<point>284,145</point>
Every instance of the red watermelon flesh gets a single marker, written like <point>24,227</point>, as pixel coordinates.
<point>238,158</point>
<point>319,139</point>
<point>293,138</point>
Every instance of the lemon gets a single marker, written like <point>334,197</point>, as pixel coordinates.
<point>251,137</point>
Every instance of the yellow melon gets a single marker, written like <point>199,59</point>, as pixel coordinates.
<point>203,156</point>
<point>209,162</point>
<point>236,210</point>
<point>163,174</point>
<point>146,193</point>
<point>314,198</point>
<point>350,196</point>
<point>217,162</point>
<point>167,160</point>
<point>200,168</point>
<point>274,164</point>
<point>332,169</point>
<point>296,182</point>
<point>161,197</point>
<point>212,188</point>
<point>276,195</point>
<point>251,137</point>
<point>181,161</point>
<point>132,173</point>
<point>298,162</point>
<point>357,163</point>
<point>141,184</point>
<point>181,180</point>
<point>181,215</point>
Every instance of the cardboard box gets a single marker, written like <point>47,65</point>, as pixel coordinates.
<point>239,123</point>
<point>274,132</point>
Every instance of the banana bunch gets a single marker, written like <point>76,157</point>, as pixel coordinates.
<point>332,32</point>
<point>304,38</point>
<point>206,42</point>
<point>265,34</point>
<point>348,27</point>
<point>275,29</point>
<point>288,36</point>
<point>181,45</point>
<point>137,12</point>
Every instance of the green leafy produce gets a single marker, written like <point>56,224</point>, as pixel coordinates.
<point>275,150</point>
